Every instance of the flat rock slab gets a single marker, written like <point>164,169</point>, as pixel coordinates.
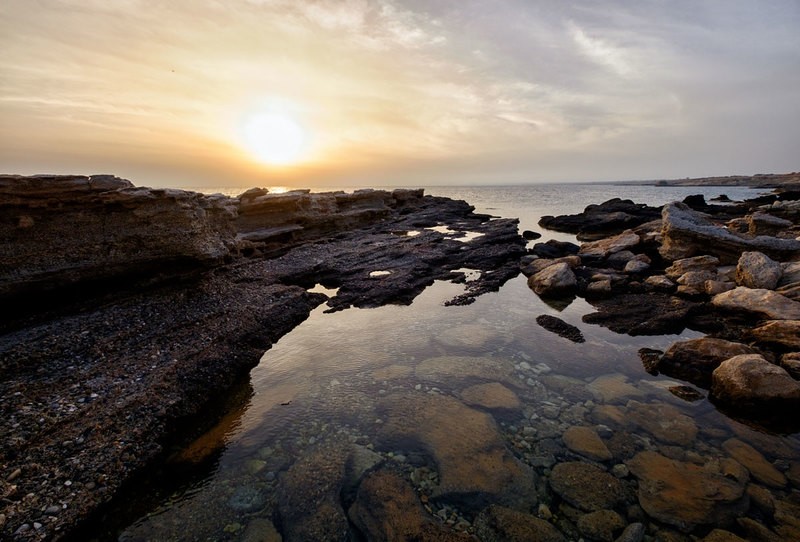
<point>760,469</point>
<point>686,495</point>
<point>450,369</point>
<point>586,442</point>
<point>766,303</point>
<point>585,486</point>
<point>500,524</point>
<point>491,396</point>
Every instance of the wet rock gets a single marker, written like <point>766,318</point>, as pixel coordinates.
<point>787,517</point>
<point>601,525</point>
<point>766,303</point>
<point>760,469</point>
<point>760,223</point>
<point>653,313</point>
<point>470,454</point>
<point>757,270</point>
<point>586,486</point>
<point>719,535</point>
<point>247,499</point>
<point>586,442</point>
<point>469,337</point>
<point>687,233</point>
<point>308,495</point>
<point>387,509</point>
<point>663,421</point>
<point>695,359</point>
<point>603,248</point>
<point>604,219</point>
<point>785,333</point>
<point>613,388</point>
<point>555,249</point>
<point>687,393</point>
<point>360,460</point>
<point>762,499</point>
<point>632,533</point>
<point>560,327</point>
<point>491,396</point>
<point>695,263</point>
<point>756,532</point>
<point>261,530</point>
<point>751,382</point>
<point>499,524</point>
<point>529,235</point>
<point>686,495</point>
<point>449,369</point>
<point>555,280</point>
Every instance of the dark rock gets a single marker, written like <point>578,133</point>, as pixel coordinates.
<point>585,486</point>
<point>697,202</point>
<point>529,235</point>
<point>642,314</point>
<point>555,249</point>
<point>560,328</point>
<point>608,218</point>
<point>721,197</point>
<point>695,359</point>
<point>687,393</point>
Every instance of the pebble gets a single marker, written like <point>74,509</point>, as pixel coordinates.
<point>620,470</point>
<point>2,520</point>
<point>14,475</point>
<point>525,366</point>
<point>544,512</point>
<point>37,525</point>
<point>53,510</point>
<point>24,528</point>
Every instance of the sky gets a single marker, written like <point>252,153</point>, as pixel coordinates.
<point>193,93</point>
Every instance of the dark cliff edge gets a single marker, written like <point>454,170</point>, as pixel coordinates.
<point>129,310</point>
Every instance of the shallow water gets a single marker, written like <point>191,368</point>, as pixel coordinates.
<point>414,383</point>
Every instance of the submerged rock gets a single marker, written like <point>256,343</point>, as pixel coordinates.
<point>449,369</point>
<point>664,422</point>
<point>686,495</point>
<point>586,486</point>
<point>491,396</point>
<point>585,441</point>
<point>760,469</point>
<point>500,524</point>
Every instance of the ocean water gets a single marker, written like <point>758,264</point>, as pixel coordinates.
<point>438,393</point>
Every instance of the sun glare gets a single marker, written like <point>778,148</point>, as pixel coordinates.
<point>274,138</point>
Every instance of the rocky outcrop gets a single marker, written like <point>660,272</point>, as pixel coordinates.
<point>608,218</point>
<point>68,231</point>
<point>687,233</point>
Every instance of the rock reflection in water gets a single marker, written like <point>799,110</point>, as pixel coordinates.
<point>450,423</point>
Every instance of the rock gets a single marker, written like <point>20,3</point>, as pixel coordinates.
<point>714,287</point>
<point>659,282</point>
<point>761,499</point>
<point>555,249</point>
<point>261,530</point>
<point>471,456</point>
<point>608,218</point>
<point>491,396</point>
<point>663,421</point>
<point>600,525</point>
<point>686,233</point>
<point>632,533</point>
<point>540,264</point>
<point>619,259</point>
<point>694,282</point>
<point>529,235</point>
<point>653,313</point>
<point>787,517</point>
<point>760,223</point>
<point>612,388</point>
<point>556,280</point>
<point>686,495</point>
<point>360,460</point>
<point>117,232</point>
<point>757,270</point>
<point>598,288</point>
<point>605,247</point>
<point>585,486</point>
<point>791,362</point>
<point>695,359</point>
<point>751,382</point>
<point>695,263</point>
<point>719,535</point>
<point>790,273</point>
<point>585,441</point>
<point>387,509</point>
<point>449,369</point>
<point>785,333</point>
<point>639,264</point>
<point>756,532</point>
<point>760,469</point>
<point>560,327</point>
<point>500,524</point>
<point>766,303</point>
<point>308,495</point>
<point>468,337</point>
<point>687,393</point>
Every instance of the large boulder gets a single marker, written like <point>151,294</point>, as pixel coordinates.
<point>555,280</point>
<point>750,382</point>
<point>757,270</point>
<point>766,303</point>
<point>695,359</point>
<point>687,233</point>
<point>686,495</point>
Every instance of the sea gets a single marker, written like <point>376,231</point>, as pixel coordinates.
<point>437,393</point>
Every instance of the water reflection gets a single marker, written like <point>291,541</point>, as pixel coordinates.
<point>469,406</point>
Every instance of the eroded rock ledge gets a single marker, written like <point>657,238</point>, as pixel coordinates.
<point>92,387</point>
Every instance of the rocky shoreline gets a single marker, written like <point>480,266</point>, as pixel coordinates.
<point>131,308</point>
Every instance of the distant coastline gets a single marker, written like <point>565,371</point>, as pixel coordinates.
<point>761,180</point>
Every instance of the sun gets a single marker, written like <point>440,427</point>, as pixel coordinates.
<point>274,138</point>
